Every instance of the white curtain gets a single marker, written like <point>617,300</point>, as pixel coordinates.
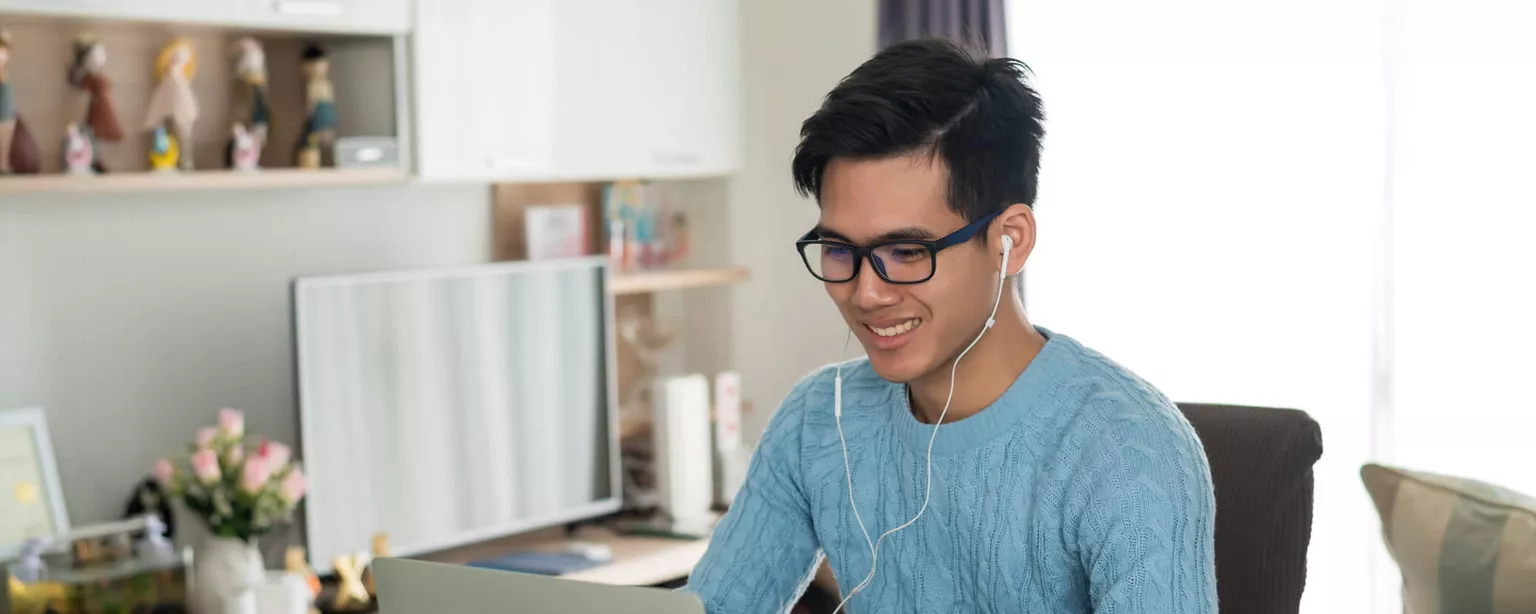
<point>1321,204</point>
<point>1209,210</point>
<point>1463,102</point>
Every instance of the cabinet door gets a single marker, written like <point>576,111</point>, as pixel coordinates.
<point>485,88</point>
<point>648,89</point>
<point>343,16</point>
<point>174,11</point>
<point>360,16</point>
<point>693,101</point>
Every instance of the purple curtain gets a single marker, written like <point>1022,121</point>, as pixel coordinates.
<point>977,22</point>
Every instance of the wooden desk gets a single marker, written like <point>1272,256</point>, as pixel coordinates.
<point>637,561</point>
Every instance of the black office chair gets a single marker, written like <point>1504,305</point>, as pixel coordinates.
<point>1261,465</point>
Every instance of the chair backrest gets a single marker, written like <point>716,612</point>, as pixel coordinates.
<point>1261,466</point>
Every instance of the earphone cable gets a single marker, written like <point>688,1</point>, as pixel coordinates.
<point>928,489</point>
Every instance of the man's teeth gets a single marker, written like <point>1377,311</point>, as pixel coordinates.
<point>897,329</point>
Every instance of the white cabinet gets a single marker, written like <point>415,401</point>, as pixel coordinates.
<point>332,16</point>
<point>352,16</point>
<point>485,87</point>
<point>576,89</point>
<point>175,11</point>
<point>649,89</point>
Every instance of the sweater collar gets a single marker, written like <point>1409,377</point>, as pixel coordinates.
<point>1024,397</point>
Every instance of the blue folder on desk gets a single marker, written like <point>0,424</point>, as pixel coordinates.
<point>541,563</point>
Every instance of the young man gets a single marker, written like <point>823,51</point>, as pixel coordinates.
<point>1042,477</point>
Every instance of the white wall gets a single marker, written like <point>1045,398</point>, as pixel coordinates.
<point>133,318</point>
<point>1209,208</point>
<point>782,323</point>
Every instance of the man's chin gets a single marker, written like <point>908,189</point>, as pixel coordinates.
<point>895,369</point>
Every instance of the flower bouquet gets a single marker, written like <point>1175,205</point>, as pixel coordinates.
<point>242,490</point>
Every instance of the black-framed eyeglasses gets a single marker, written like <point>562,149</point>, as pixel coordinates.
<point>903,261</point>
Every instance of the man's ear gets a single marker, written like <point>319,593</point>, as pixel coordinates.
<point>1018,222</point>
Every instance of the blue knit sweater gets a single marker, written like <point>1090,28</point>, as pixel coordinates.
<point>1082,489</point>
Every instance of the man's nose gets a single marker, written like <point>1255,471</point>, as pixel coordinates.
<point>870,290</point>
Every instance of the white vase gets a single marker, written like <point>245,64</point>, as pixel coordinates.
<point>222,568</point>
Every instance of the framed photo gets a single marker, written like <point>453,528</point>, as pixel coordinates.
<point>31,500</point>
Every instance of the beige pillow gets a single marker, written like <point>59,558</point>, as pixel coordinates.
<point>1463,546</point>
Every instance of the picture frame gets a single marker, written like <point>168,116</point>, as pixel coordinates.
<point>31,495</point>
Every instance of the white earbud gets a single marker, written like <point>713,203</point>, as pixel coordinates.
<point>1002,271</point>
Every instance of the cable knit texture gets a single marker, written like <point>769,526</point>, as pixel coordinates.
<point>1082,489</point>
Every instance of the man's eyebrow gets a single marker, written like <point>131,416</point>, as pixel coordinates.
<point>909,233</point>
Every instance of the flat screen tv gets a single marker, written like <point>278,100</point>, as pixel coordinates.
<point>449,406</point>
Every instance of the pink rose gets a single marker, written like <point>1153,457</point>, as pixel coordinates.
<point>255,475</point>
<point>292,488</point>
<point>206,435</point>
<point>277,454</point>
<point>205,465</point>
<point>234,455</point>
<point>164,472</point>
<point>232,422</point>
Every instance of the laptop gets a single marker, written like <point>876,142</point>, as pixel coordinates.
<point>418,587</point>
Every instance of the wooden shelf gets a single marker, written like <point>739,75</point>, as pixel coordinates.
<point>658,281</point>
<point>198,180</point>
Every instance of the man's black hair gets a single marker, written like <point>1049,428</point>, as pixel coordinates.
<point>933,97</point>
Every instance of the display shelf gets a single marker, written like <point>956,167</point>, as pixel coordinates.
<point>366,74</point>
<point>198,180</point>
<point>642,282</point>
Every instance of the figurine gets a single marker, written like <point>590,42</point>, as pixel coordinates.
<point>29,566</point>
<point>149,499</point>
<point>294,563</point>
<point>163,150</point>
<point>86,75</point>
<point>173,104</point>
<point>320,125</point>
<point>678,238</point>
<point>309,153</point>
<point>79,153</point>
<point>154,546</point>
<point>7,105</point>
<point>350,592</point>
<point>380,550</point>
<point>244,149</point>
<point>253,105</point>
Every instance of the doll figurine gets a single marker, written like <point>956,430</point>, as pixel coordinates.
<point>7,106</point>
<point>320,124</point>
<point>163,150</point>
<point>79,154</point>
<point>294,563</point>
<point>244,149</point>
<point>253,105</point>
<point>380,550</point>
<point>309,153</point>
<point>155,546</point>
<point>173,104</point>
<point>86,74</point>
<point>18,150</point>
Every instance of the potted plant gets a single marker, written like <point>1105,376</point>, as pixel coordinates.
<point>241,490</point>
